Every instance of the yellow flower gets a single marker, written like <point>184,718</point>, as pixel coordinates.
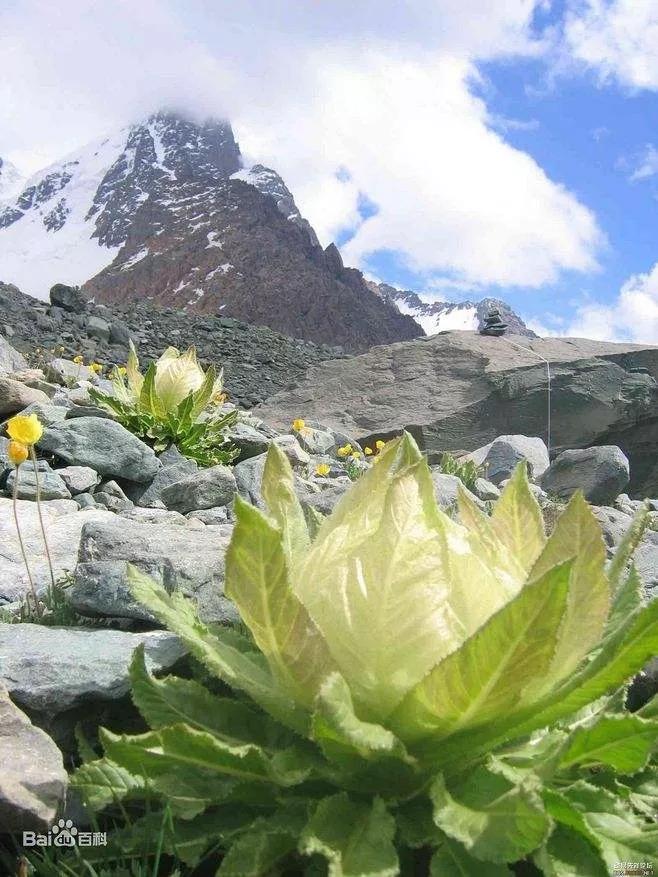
<point>298,424</point>
<point>25,428</point>
<point>78,360</point>
<point>322,469</point>
<point>96,367</point>
<point>355,455</point>
<point>344,451</point>
<point>367,451</point>
<point>17,453</point>
<point>379,444</point>
<point>121,370</point>
<point>219,398</point>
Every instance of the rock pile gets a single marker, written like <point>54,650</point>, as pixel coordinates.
<point>257,361</point>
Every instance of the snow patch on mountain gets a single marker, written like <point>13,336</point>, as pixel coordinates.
<point>443,316</point>
<point>11,180</point>
<point>46,233</point>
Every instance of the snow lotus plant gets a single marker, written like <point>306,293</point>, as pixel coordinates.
<point>417,696</point>
<point>174,402</point>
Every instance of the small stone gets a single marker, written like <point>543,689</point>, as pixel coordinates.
<point>316,441</point>
<point>67,373</point>
<point>14,396</point>
<point>446,491</point>
<point>50,484</point>
<point>85,500</point>
<point>98,328</point>
<point>249,440</point>
<point>485,490</point>
<point>205,489</point>
<point>293,450</point>
<point>79,479</point>
<point>10,360</point>
<point>212,517</point>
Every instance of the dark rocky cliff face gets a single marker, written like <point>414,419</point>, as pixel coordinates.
<point>220,246</point>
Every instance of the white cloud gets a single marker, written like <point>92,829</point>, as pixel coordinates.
<point>647,165</point>
<point>619,39</point>
<point>385,90</point>
<point>633,316</point>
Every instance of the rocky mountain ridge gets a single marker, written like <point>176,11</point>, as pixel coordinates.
<point>165,210</point>
<point>442,316</point>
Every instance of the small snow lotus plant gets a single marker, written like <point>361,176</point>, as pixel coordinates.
<point>418,696</point>
<point>175,402</point>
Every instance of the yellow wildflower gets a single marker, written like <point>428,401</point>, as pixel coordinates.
<point>25,428</point>
<point>355,455</point>
<point>298,424</point>
<point>121,370</point>
<point>379,444</point>
<point>17,453</point>
<point>219,398</point>
<point>78,360</point>
<point>344,451</point>
<point>367,451</point>
<point>96,367</point>
<point>322,469</point>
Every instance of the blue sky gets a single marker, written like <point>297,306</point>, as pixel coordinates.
<point>591,137</point>
<point>457,149</point>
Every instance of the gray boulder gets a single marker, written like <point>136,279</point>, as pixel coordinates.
<point>316,441</point>
<point>485,490</point>
<point>68,298</point>
<point>51,669</point>
<point>63,522</point>
<point>10,360</point>
<point>249,440</point>
<point>67,373</point>
<point>98,328</point>
<point>174,467</point>
<point>446,491</point>
<point>178,557</point>
<point>14,396</point>
<point>291,447</point>
<point>614,525</point>
<point>204,489</point>
<point>460,390</point>
<point>79,479</point>
<point>326,500</point>
<point>248,476</point>
<point>501,457</point>
<point>52,486</point>
<point>104,445</point>
<point>48,415</point>
<point>32,780</point>
<point>212,517</point>
<point>601,473</point>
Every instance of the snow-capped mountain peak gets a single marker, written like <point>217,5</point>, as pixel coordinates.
<point>442,316</point>
<point>68,221</point>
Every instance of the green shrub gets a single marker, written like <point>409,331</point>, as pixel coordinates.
<point>173,403</point>
<point>419,696</point>
<point>467,472</point>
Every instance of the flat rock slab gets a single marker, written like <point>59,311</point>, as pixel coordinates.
<point>32,780</point>
<point>63,521</point>
<point>102,444</point>
<point>51,669</point>
<point>189,558</point>
<point>460,390</point>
